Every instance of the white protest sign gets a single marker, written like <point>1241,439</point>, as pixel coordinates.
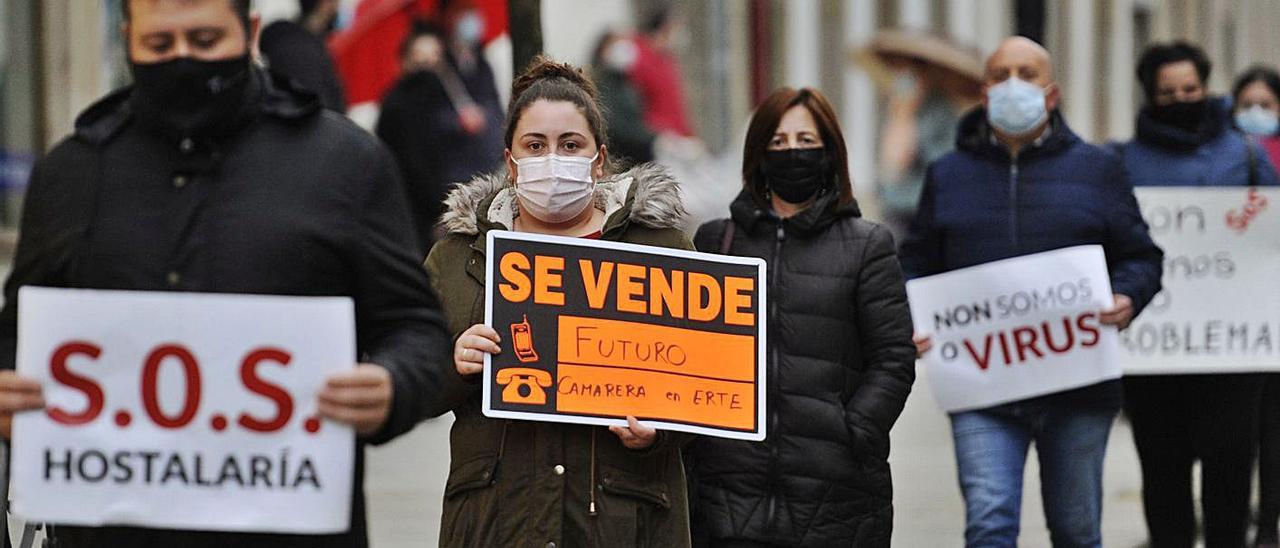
<point>1017,328</point>
<point>1219,311</point>
<point>182,410</point>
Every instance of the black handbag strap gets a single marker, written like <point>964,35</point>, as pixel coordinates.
<point>726,236</point>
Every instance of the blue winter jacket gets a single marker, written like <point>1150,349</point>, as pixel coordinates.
<point>1216,155</point>
<point>980,205</point>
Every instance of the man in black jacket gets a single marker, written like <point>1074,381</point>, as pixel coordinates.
<point>208,176</point>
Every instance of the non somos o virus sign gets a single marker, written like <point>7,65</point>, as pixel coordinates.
<point>1219,309</point>
<point>1017,328</point>
<point>180,410</point>
<point>594,331</point>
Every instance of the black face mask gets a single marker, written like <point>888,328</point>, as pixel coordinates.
<point>186,97</point>
<point>796,174</point>
<point>1188,116</point>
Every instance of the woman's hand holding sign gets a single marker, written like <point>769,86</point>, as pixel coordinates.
<point>17,394</point>
<point>471,346</point>
<point>635,435</point>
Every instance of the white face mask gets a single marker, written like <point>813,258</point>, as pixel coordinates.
<point>1258,121</point>
<point>621,55</point>
<point>555,188</point>
<point>1016,107</point>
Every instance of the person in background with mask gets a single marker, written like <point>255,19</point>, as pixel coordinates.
<point>429,121</point>
<point>207,175</point>
<point>296,50</point>
<point>614,56</point>
<point>525,483</point>
<point>481,116</point>
<point>1184,138</point>
<point>935,82</point>
<point>1006,191</point>
<point>1256,105</point>
<point>841,362</point>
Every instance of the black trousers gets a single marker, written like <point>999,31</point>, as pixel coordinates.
<point>1269,458</point>
<point>1179,419</point>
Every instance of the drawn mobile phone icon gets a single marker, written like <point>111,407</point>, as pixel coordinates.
<point>523,340</point>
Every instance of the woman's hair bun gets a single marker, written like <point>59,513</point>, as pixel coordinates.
<point>543,68</point>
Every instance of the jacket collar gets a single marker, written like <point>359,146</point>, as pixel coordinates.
<point>825,211</point>
<point>975,136</point>
<point>280,99</point>
<point>646,195</point>
<point>1154,133</point>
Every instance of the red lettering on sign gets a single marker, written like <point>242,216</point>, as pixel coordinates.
<point>1030,342</point>
<point>255,384</point>
<point>92,392</point>
<point>1089,327</point>
<point>1255,205</point>
<point>150,373</point>
<point>983,360</point>
<point>1026,343</point>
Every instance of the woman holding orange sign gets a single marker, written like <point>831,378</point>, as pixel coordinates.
<point>840,357</point>
<point>521,483</point>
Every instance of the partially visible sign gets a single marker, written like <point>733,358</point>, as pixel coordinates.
<point>182,410</point>
<point>595,331</point>
<point>1219,311</point>
<point>1018,328</point>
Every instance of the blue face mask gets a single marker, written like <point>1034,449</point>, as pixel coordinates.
<point>1016,107</point>
<point>470,28</point>
<point>1256,120</point>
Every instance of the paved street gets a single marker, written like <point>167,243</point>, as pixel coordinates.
<point>406,481</point>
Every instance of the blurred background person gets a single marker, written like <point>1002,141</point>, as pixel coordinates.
<point>656,72</point>
<point>1256,103</point>
<point>930,82</point>
<point>612,59</point>
<point>1184,138</point>
<point>481,111</point>
<point>442,119</point>
<point>416,121</point>
<point>841,362</point>
<point>296,50</point>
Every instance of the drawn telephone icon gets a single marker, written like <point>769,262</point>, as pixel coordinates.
<point>522,336</point>
<point>532,382</point>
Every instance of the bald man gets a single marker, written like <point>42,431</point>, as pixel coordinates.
<point>1021,182</point>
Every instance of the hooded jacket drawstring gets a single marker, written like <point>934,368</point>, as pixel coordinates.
<point>591,508</point>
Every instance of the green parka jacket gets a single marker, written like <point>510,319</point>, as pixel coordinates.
<point>537,484</point>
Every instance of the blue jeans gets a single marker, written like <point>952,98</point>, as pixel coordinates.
<point>991,451</point>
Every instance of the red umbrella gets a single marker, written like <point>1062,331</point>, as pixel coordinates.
<point>367,53</point>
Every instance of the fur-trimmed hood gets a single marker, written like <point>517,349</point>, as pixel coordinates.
<point>646,195</point>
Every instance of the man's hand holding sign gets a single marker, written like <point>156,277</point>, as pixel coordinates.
<point>607,334</point>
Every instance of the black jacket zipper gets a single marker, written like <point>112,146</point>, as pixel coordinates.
<point>1013,203</point>
<point>772,368</point>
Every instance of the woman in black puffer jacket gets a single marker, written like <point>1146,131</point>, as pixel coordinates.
<point>841,361</point>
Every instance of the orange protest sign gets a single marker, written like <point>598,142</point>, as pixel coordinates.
<point>600,331</point>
